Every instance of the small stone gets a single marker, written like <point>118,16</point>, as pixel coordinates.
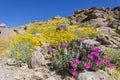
<point>38,75</point>
<point>51,78</point>
<point>99,75</point>
<point>96,43</point>
<point>11,62</point>
<point>62,27</point>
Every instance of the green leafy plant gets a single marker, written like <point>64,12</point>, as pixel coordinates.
<point>21,52</point>
<point>114,56</point>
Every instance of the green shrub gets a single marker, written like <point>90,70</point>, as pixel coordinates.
<point>21,52</point>
<point>114,55</point>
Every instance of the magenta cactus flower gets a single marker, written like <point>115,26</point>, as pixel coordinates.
<point>96,50</point>
<point>87,65</point>
<point>75,60</point>
<point>92,53</point>
<point>64,45</point>
<point>81,40</point>
<point>96,54</point>
<point>90,56</point>
<point>98,62</point>
<point>106,59</point>
<point>50,49</point>
<point>91,45</point>
<point>110,65</point>
<point>73,64</point>
<point>74,73</point>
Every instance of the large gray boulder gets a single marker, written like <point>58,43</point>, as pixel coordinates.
<point>99,75</point>
<point>37,59</point>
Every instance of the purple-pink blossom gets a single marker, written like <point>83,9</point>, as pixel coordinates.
<point>91,45</point>
<point>92,53</point>
<point>110,65</point>
<point>96,54</point>
<point>106,59</point>
<point>98,62</point>
<point>50,49</point>
<point>64,45</point>
<point>96,50</point>
<point>74,73</point>
<point>87,65</point>
<point>74,62</point>
<point>81,40</point>
<point>90,56</point>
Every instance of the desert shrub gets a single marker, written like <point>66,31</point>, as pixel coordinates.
<point>48,31</point>
<point>4,45</point>
<point>110,17</point>
<point>114,56</point>
<point>21,52</point>
<point>78,56</point>
<point>38,28</point>
<point>85,32</point>
<point>22,47</point>
<point>114,74</point>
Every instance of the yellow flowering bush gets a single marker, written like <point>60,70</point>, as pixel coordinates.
<point>28,38</point>
<point>3,46</point>
<point>85,32</point>
<point>22,47</point>
<point>48,31</point>
<point>114,74</point>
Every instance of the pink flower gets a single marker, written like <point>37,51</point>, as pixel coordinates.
<point>74,73</point>
<point>64,45</point>
<point>91,45</point>
<point>96,54</point>
<point>92,53</point>
<point>75,60</point>
<point>90,56</point>
<point>50,49</point>
<point>87,65</point>
<point>81,40</point>
<point>110,65</point>
<point>98,62</point>
<point>96,50</point>
<point>73,64</point>
<point>106,59</point>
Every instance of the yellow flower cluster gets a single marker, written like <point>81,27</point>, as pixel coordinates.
<point>48,31</point>
<point>60,36</point>
<point>28,39</point>
<point>114,74</point>
<point>37,28</point>
<point>85,32</point>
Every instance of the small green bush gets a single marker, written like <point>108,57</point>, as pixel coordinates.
<point>114,55</point>
<point>21,52</point>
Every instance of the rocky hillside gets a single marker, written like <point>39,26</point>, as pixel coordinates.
<point>99,17</point>
<point>106,19</point>
<point>83,46</point>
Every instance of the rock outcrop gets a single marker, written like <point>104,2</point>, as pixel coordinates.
<point>98,17</point>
